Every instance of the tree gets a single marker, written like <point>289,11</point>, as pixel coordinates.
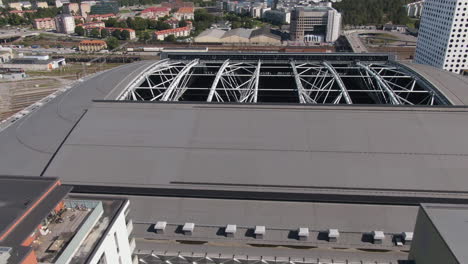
<point>182,23</point>
<point>162,25</point>
<point>111,22</point>
<point>112,43</point>
<point>79,30</point>
<point>95,33</point>
<point>139,23</point>
<point>146,36</point>
<point>104,33</point>
<point>117,34</point>
<point>170,38</point>
<point>125,35</point>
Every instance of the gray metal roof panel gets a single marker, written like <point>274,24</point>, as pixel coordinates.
<point>346,148</point>
<point>450,222</point>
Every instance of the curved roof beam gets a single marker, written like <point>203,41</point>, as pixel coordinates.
<point>344,91</point>
<point>216,80</point>
<point>177,79</point>
<point>381,82</point>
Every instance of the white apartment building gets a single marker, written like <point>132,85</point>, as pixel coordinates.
<point>65,23</point>
<point>442,40</point>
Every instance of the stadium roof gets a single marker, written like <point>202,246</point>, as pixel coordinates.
<point>197,148</point>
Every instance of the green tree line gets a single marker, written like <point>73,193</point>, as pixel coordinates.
<point>373,12</point>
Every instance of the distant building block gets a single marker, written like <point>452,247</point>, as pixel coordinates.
<point>259,232</point>
<point>303,233</point>
<point>230,230</point>
<point>378,237</point>
<point>188,228</point>
<point>333,235</point>
<point>160,226</point>
<point>408,237</point>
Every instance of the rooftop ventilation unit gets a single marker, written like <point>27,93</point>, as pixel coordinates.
<point>230,230</point>
<point>303,233</point>
<point>259,232</point>
<point>333,235</point>
<point>160,226</point>
<point>378,236</point>
<point>408,237</point>
<point>188,229</point>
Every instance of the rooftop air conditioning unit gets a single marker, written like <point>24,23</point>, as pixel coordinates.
<point>160,226</point>
<point>259,232</point>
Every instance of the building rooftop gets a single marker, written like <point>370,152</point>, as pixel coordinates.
<point>450,221</point>
<point>156,9</point>
<point>92,42</point>
<point>240,32</point>
<point>201,146</point>
<point>215,33</point>
<point>24,202</point>
<point>185,10</point>
<point>33,219</point>
<point>171,31</point>
<point>264,31</point>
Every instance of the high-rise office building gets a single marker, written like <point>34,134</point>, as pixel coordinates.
<point>442,40</point>
<point>315,24</point>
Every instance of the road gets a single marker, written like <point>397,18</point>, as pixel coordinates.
<point>355,41</point>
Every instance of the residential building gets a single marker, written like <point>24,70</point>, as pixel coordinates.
<point>21,12</point>
<point>415,9</point>
<point>65,23</point>
<point>155,12</point>
<point>43,223</point>
<point>85,9</point>
<point>60,3</point>
<point>26,5</point>
<point>320,22</point>
<point>100,17</point>
<point>40,5</point>
<point>277,17</point>
<point>176,32</point>
<point>1,3</point>
<point>112,29</point>
<point>47,23</point>
<point>16,5</point>
<point>92,45</point>
<point>95,24</point>
<point>105,7</point>
<point>71,8</point>
<point>256,11</point>
<point>442,37</point>
<point>184,13</point>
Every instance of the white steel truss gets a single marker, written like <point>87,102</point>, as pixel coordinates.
<point>285,81</point>
<point>230,86</point>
